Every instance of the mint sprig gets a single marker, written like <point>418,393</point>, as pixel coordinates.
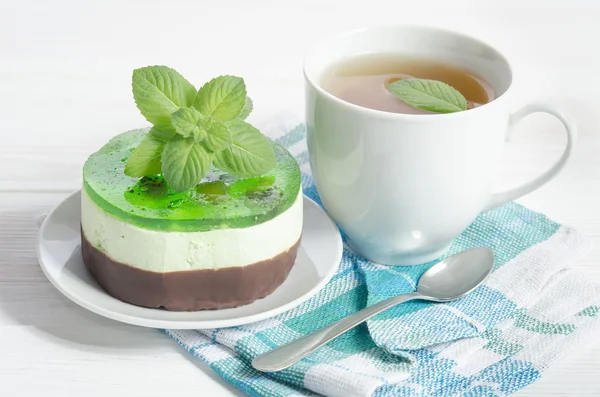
<point>250,152</point>
<point>189,122</point>
<point>219,136</point>
<point>185,162</point>
<point>145,159</point>
<point>431,95</point>
<point>195,129</point>
<point>222,98</point>
<point>159,91</point>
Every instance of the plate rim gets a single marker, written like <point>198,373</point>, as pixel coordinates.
<point>187,324</point>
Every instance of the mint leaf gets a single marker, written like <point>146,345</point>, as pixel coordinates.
<point>145,159</point>
<point>218,137</point>
<point>246,110</point>
<point>250,154</point>
<point>161,134</point>
<point>189,122</point>
<point>434,96</point>
<point>184,163</point>
<point>222,98</point>
<point>159,91</point>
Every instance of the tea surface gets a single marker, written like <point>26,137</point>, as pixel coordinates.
<point>363,81</point>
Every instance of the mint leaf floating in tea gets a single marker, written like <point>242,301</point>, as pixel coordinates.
<point>250,154</point>
<point>431,95</point>
<point>159,91</point>
<point>222,98</point>
<point>194,130</point>
<point>189,122</point>
<point>185,162</point>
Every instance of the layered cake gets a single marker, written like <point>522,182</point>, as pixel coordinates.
<point>200,211</point>
<point>223,243</point>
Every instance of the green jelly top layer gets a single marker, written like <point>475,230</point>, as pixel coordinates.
<point>220,201</point>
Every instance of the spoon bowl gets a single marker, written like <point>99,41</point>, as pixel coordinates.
<point>457,275</point>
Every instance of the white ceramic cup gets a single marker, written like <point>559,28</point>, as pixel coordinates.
<point>403,187</point>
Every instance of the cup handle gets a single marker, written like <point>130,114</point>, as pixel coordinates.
<point>500,198</point>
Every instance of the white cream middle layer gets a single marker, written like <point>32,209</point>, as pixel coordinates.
<point>161,251</point>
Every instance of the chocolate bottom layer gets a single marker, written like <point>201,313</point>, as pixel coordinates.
<point>192,289</point>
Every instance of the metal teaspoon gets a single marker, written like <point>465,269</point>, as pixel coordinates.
<point>447,280</point>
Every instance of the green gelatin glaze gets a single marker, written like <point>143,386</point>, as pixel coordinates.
<point>219,202</point>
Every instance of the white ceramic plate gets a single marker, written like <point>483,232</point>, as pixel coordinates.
<point>59,253</point>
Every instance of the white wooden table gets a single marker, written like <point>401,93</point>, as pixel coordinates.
<point>65,90</point>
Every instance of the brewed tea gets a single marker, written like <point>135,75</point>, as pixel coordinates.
<point>363,81</point>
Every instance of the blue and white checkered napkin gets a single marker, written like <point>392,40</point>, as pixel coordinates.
<point>500,338</point>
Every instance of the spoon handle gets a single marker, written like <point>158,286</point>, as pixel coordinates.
<point>290,353</point>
